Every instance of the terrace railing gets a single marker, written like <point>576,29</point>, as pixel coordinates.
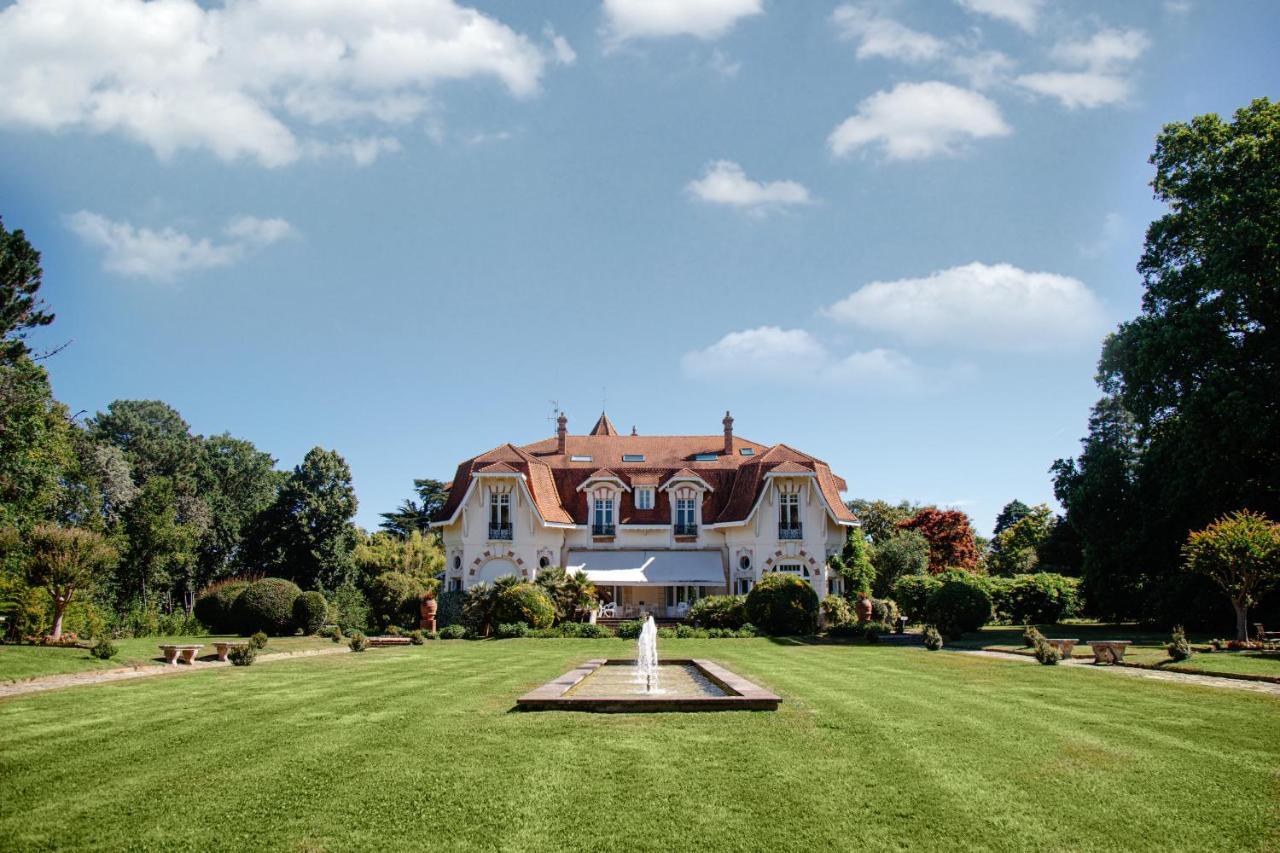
<point>500,531</point>
<point>602,530</point>
<point>686,530</point>
<point>790,530</point>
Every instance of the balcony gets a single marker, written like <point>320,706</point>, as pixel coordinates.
<point>790,530</point>
<point>500,531</point>
<point>603,530</point>
<point>686,530</point>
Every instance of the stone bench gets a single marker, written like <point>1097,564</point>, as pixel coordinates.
<point>173,652</point>
<point>225,647</point>
<point>1064,647</point>
<point>389,641</point>
<point>1109,651</point>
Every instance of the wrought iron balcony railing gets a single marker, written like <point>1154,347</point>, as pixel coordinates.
<point>790,530</point>
<point>686,530</point>
<point>499,531</point>
<point>602,530</point>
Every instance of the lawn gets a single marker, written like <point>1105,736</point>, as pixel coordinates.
<point>18,663</point>
<point>1148,648</point>
<point>418,748</point>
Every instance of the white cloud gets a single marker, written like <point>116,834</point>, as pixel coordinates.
<point>1104,59</point>
<point>560,47</point>
<point>1113,227</point>
<point>162,255</point>
<point>704,19</point>
<point>723,65</point>
<point>795,356</point>
<point>880,36</point>
<point>725,183</point>
<point>1020,13</point>
<point>917,120</point>
<point>984,69</point>
<point>978,306</point>
<point>1078,89</point>
<point>253,78</point>
<point>1106,49</point>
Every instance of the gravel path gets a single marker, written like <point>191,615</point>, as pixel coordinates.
<point>1266,687</point>
<point>76,679</point>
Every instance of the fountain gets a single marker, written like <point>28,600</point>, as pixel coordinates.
<point>649,684</point>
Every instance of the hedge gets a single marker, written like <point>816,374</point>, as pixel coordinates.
<point>1041,598</point>
<point>719,611</point>
<point>958,607</point>
<point>783,604</point>
<point>214,606</point>
<point>310,611</point>
<point>524,603</point>
<point>267,606</point>
<point>912,592</point>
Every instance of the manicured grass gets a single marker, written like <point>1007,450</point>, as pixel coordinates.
<point>419,748</point>
<point>1148,648</point>
<point>18,663</point>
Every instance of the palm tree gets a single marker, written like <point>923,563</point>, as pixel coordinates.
<point>579,592</point>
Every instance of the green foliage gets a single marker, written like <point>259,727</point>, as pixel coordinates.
<point>912,592</point>
<point>1046,653</point>
<point>395,599</point>
<point>37,448</point>
<point>1031,635</point>
<point>104,649</point>
<point>903,554</point>
<point>719,611</point>
<point>259,640</point>
<point>957,608</point>
<point>310,611</point>
<point>352,608</point>
<point>570,593</point>
<point>630,630</point>
<point>416,515</point>
<point>855,565</point>
<point>884,611</point>
<point>417,637</point>
<point>1016,548</point>
<point>358,642</point>
<point>1012,512</point>
<point>880,519</point>
<point>236,481</point>
<point>783,604</point>
<point>65,561</point>
<point>525,603</point>
<point>871,632</point>
<point>215,604</point>
<point>415,554</point>
<point>1178,648</point>
<point>666,633</point>
<point>21,308</point>
<point>1042,598</point>
<point>932,638</point>
<point>511,631</point>
<point>836,610</point>
<point>337,637</point>
<point>455,631</point>
<point>845,631</point>
<point>267,606</point>
<point>1239,552</point>
<point>243,655</point>
<point>478,607</point>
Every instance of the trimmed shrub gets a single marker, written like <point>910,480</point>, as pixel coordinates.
<point>266,605</point>
<point>912,593</point>
<point>1031,635</point>
<point>666,633</point>
<point>416,638</point>
<point>957,607</point>
<point>836,610</point>
<point>456,631</point>
<point>932,639</point>
<point>630,629</point>
<point>748,630</point>
<point>309,612</point>
<point>783,604</point>
<point>394,598</point>
<point>584,630</point>
<point>214,605</point>
<point>524,603</point>
<point>394,631</point>
<point>884,611</point>
<point>337,637</point>
<point>258,640</point>
<point>511,630</point>
<point>689,632</point>
<point>1047,654</point>
<point>104,649</point>
<point>845,631</point>
<point>719,611</point>
<point>871,632</point>
<point>243,655</point>
<point>358,642</point>
<point>1042,598</point>
<point>1179,648</point>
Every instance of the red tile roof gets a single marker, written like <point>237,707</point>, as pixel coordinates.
<point>604,426</point>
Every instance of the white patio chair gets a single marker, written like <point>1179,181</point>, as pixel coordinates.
<point>608,610</point>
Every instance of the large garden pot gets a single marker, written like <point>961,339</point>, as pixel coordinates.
<point>862,607</point>
<point>427,608</point>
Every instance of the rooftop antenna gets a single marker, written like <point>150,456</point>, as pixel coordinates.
<point>604,398</point>
<point>555,411</point>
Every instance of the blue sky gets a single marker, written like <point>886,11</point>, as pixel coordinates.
<point>891,234</point>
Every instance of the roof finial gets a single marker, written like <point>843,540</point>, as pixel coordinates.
<point>633,429</point>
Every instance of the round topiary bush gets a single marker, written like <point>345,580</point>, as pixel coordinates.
<point>266,606</point>
<point>309,612</point>
<point>911,592</point>
<point>525,603</point>
<point>1042,598</point>
<point>958,607</point>
<point>214,606</point>
<point>719,611</point>
<point>104,649</point>
<point>783,604</point>
<point>456,631</point>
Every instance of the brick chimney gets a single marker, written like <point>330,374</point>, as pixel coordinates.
<point>728,433</point>
<point>562,433</point>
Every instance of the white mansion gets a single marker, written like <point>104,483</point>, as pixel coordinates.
<point>654,521</point>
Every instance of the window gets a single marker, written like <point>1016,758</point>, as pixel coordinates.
<point>789,516</point>
<point>544,562</point>
<point>579,458</point>
<point>686,520</point>
<point>644,498</point>
<point>500,516</point>
<point>744,562</point>
<point>742,586</point>
<point>792,569</point>
<point>455,584</point>
<point>747,451</point>
<point>633,457</point>
<point>602,518</point>
<point>706,457</point>
<point>457,563</point>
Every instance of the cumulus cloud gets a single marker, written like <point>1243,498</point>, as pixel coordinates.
<point>978,306</point>
<point>795,356</point>
<point>917,120</point>
<point>879,36</point>
<point>1021,13</point>
<point>704,19</point>
<point>725,183</point>
<point>165,254</point>
<point>1103,59</point>
<point>983,69</point>
<point>253,78</point>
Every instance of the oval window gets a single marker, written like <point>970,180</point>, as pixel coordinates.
<point>744,562</point>
<point>457,562</point>
<point>544,562</point>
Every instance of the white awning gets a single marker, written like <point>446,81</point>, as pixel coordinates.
<point>649,568</point>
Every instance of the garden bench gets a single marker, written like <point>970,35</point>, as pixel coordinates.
<point>1109,651</point>
<point>225,647</point>
<point>1064,647</point>
<point>1265,636</point>
<point>389,641</point>
<point>172,652</point>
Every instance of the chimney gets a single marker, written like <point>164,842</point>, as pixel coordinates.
<point>728,433</point>
<point>562,433</point>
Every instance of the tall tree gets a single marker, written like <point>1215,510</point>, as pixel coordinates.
<point>163,530</point>
<point>36,444</point>
<point>1013,512</point>
<point>416,515</point>
<point>880,519</point>
<point>65,561</point>
<point>1016,548</point>
<point>154,437</point>
<point>1241,554</point>
<point>237,481</point>
<point>950,536</point>
<point>21,308</point>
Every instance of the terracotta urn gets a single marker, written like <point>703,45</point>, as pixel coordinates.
<point>862,607</point>
<point>427,608</point>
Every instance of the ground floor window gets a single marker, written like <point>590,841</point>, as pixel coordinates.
<point>455,584</point>
<point>836,585</point>
<point>742,586</point>
<point>792,569</point>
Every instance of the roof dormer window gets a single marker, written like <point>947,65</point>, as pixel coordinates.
<point>579,458</point>
<point>633,457</point>
<point>747,451</point>
<point>706,457</point>
<point>644,497</point>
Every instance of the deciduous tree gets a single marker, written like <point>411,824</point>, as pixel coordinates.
<point>65,561</point>
<point>950,537</point>
<point>1240,552</point>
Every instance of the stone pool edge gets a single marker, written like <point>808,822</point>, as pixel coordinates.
<point>747,695</point>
